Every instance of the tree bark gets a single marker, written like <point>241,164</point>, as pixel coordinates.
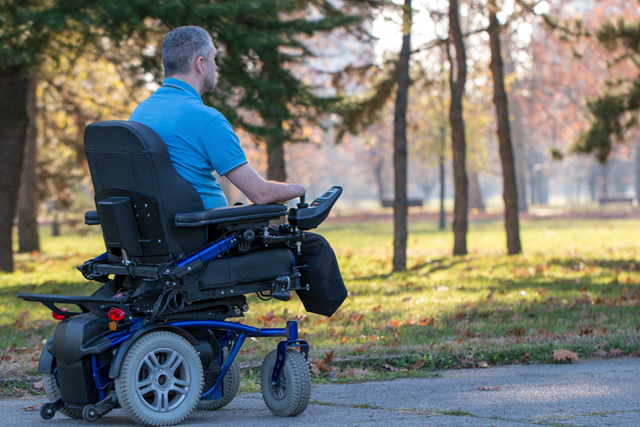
<point>442,222</point>
<point>13,127</point>
<point>637,171</point>
<point>400,147</point>
<point>28,240</point>
<point>275,162</point>
<point>457,81</point>
<point>510,193</point>
<point>475,193</point>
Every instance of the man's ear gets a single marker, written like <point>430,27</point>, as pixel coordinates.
<point>199,65</point>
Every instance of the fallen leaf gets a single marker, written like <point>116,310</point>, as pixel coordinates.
<point>393,323</point>
<point>377,308</point>
<point>315,370</point>
<point>361,372</point>
<point>483,364</point>
<point>417,364</point>
<point>563,355</point>
<point>38,385</point>
<point>328,357</point>
<point>32,408</point>
<point>363,348</point>
<point>615,352</point>
<point>601,353</point>
<point>348,373</point>
<point>330,375</point>
<point>426,321</point>
<point>524,358</point>
<point>602,344</point>
<point>389,367</point>
<point>489,388</point>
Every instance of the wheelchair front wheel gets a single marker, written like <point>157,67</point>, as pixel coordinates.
<point>160,381</point>
<point>293,394</point>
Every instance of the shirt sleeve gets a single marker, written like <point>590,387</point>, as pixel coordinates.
<point>222,146</point>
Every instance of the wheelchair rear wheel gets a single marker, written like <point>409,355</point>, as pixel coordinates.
<point>293,394</point>
<point>161,378</point>
<point>53,393</point>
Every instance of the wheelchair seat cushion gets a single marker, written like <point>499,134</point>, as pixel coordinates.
<point>230,214</point>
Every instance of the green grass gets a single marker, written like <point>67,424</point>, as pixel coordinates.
<point>575,287</point>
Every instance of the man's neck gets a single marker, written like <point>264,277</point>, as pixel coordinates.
<point>190,80</point>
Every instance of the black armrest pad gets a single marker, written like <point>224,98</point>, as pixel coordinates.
<point>91,218</point>
<point>230,214</point>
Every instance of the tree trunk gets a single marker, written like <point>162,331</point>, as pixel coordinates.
<point>518,134</point>
<point>28,199</point>
<point>55,225</point>
<point>400,147</point>
<point>442,221</point>
<point>275,162</point>
<point>510,194</point>
<point>475,194</point>
<point>638,171</point>
<point>14,121</point>
<point>458,139</point>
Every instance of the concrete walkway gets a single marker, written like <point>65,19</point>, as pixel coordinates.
<point>589,393</point>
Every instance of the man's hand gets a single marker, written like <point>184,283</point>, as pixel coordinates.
<point>262,192</point>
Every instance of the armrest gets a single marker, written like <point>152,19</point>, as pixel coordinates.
<point>91,218</point>
<point>230,215</point>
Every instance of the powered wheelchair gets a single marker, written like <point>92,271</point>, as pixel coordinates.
<point>155,339</point>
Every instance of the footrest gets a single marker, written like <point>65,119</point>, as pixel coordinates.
<point>230,214</point>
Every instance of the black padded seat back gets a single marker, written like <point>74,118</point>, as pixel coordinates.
<point>126,157</point>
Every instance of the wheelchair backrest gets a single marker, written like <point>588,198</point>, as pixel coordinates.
<point>138,193</point>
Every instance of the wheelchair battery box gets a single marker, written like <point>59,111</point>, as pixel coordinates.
<point>74,343</point>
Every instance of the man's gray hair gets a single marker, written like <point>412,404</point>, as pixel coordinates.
<point>181,45</point>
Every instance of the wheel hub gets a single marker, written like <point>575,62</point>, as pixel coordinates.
<point>162,380</point>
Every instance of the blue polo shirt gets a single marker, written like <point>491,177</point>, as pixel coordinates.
<point>200,140</point>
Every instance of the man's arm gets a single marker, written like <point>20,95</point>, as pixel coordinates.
<point>262,192</point>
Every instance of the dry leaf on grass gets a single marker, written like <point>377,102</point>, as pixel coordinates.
<point>363,348</point>
<point>483,364</point>
<point>417,364</point>
<point>524,358</point>
<point>564,355</point>
<point>602,344</point>
<point>389,367</point>
<point>315,370</point>
<point>330,375</point>
<point>601,353</point>
<point>489,388</point>
<point>38,385</point>
<point>615,352</point>
<point>361,372</point>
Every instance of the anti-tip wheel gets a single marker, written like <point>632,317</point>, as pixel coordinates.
<point>90,413</point>
<point>293,394</point>
<point>160,381</point>
<point>230,386</point>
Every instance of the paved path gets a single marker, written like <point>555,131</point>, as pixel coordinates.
<point>589,393</point>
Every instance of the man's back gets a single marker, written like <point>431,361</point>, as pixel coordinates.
<point>199,139</point>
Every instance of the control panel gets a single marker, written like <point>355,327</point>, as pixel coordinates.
<point>308,216</point>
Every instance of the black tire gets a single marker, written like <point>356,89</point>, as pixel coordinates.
<point>230,386</point>
<point>53,394</point>
<point>294,393</point>
<point>155,361</point>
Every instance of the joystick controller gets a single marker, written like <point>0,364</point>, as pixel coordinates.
<point>308,216</point>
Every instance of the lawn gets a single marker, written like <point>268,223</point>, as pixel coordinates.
<point>575,288</point>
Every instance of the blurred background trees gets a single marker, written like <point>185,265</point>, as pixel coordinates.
<point>313,71</point>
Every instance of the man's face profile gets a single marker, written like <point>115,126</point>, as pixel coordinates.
<point>210,71</point>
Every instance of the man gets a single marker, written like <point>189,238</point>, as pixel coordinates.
<point>200,140</point>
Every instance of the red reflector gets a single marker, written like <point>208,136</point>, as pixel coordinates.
<point>116,314</point>
<point>59,316</point>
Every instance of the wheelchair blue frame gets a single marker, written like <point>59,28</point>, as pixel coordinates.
<point>235,332</point>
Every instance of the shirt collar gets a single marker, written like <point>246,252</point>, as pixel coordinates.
<point>176,83</point>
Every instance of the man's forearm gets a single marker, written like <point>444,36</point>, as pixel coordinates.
<point>263,192</point>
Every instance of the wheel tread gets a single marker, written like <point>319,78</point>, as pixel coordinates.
<point>301,390</point>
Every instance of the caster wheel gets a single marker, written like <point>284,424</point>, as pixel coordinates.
<point>90,413</point>
<point>230,386</point>
<point>53,394</point>
<point>160,381</point>
<point>46,411</point>
<point>293,394</point>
